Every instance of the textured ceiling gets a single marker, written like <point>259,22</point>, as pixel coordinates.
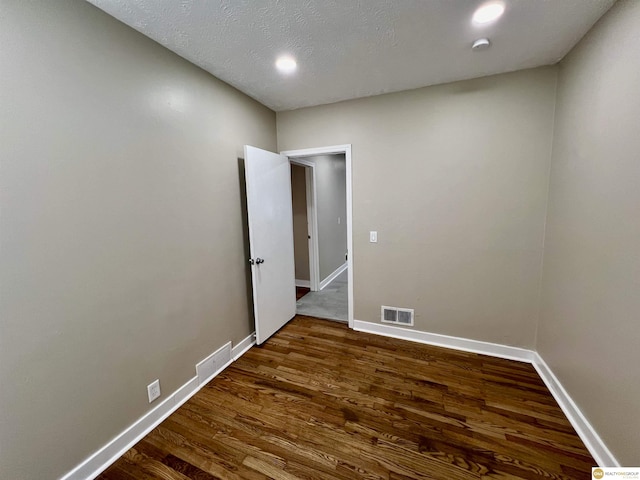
<point>348,48</point>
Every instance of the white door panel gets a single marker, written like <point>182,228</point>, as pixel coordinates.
<point>268,178</point>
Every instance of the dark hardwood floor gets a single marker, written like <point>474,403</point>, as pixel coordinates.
<point>319,401</point>
<point>301,292</point>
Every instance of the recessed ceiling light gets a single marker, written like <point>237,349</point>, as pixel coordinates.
<point>286,64</point>
<point>488,12</point>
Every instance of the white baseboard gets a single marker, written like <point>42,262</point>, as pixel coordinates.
<point>112,451</point>
<point>457,343</point>
<point>601,454</point>
<point>242,347</point>
<point>303,283</point>
<point>333,275</point>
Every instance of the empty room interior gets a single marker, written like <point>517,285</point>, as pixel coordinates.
<point>481,231</point>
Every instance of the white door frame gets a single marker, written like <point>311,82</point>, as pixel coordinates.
<point>312,221</point>
<point>346,150</point>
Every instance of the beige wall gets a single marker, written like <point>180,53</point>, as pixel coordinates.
<point>589,329</point>
<point>123,255</point>
<point>454,179</point>
<point>300,225</point>
<point>331,195</point>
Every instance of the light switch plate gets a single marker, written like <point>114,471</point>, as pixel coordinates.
<point>373,237</point>
<point>153,390</point>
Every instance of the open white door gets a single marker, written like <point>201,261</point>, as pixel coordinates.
<point>268,179</point>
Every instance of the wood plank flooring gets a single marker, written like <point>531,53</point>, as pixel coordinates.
<point>319,401</point>
<point>301,292</point>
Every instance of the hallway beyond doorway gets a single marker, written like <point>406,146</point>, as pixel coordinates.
<point>330,303</point>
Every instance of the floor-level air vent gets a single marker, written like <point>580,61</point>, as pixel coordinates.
<point>399,316</point>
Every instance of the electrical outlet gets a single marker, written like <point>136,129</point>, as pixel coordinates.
<point>153,389</point>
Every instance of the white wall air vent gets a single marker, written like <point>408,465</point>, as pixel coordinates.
<point>389,314</point>
<point>214,363</point>
<point>399,316</point>
<point>405,316</point>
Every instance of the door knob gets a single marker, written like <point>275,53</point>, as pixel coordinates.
<point>259,260</point>
<point>252,261</point>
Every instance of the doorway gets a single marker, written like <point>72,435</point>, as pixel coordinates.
<point>305,224</point>
<point>321,199</point>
